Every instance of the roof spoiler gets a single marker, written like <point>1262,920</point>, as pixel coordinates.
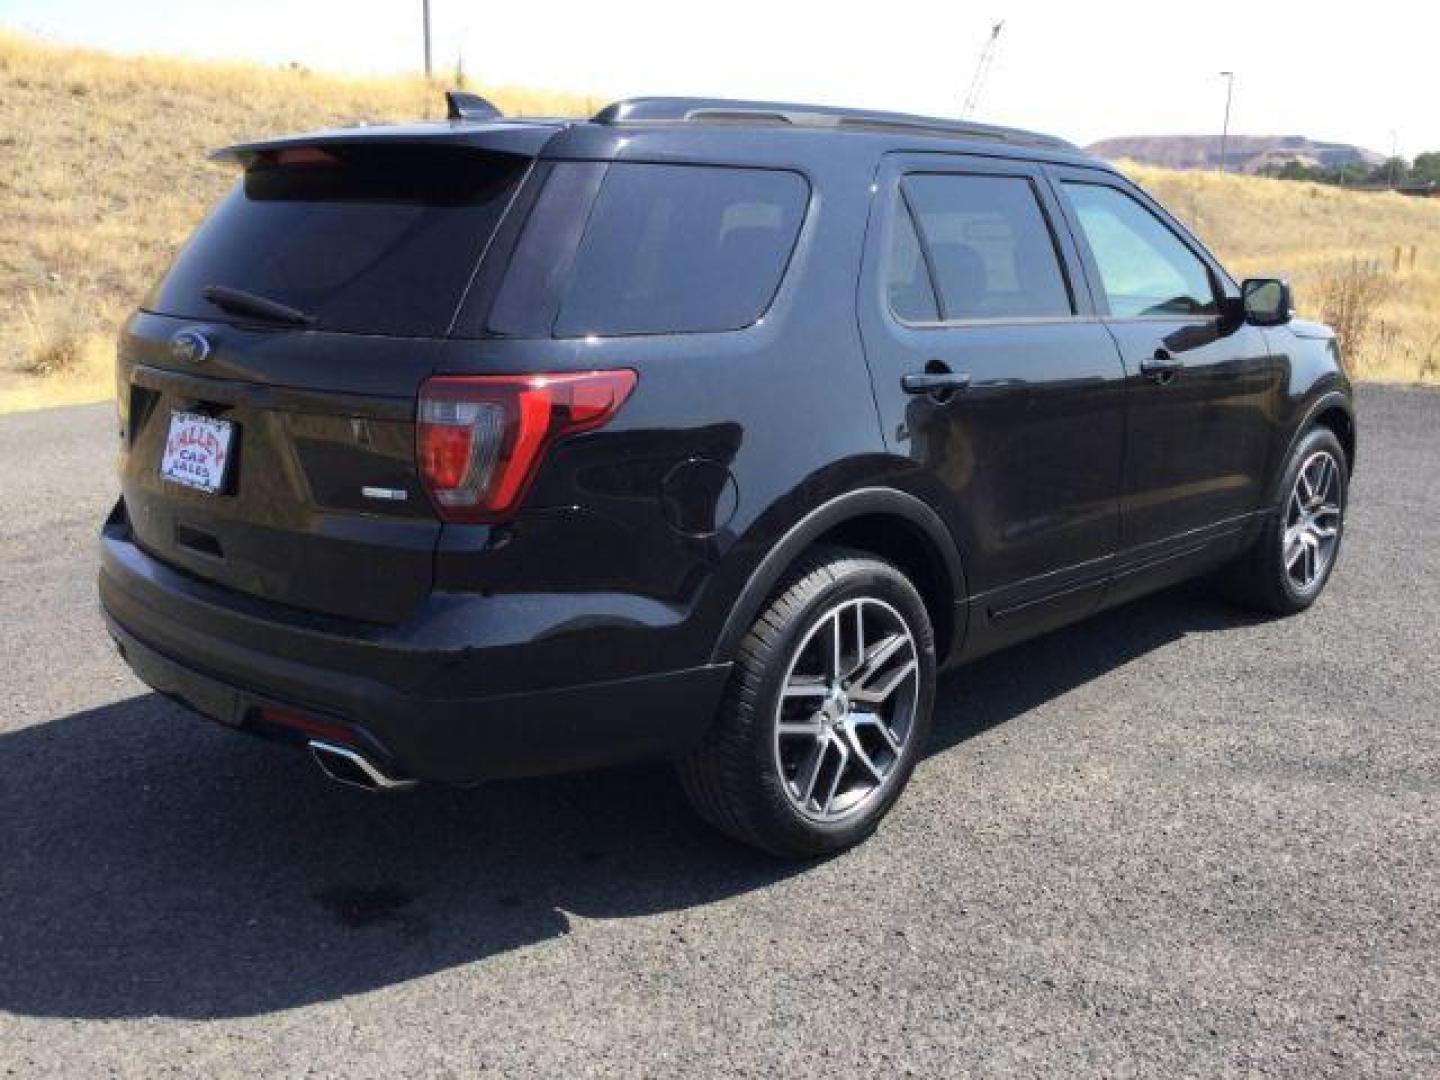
<point>460,105</point>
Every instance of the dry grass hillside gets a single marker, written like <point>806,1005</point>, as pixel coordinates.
<point>1339,249</point>
<point>104,174</point>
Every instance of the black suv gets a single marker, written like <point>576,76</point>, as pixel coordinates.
<point>701,429</point>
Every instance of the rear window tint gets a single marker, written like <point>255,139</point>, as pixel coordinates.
<point>682,248</point>
<point>369,240</point>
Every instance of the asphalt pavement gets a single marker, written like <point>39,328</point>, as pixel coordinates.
<point>1173,840</point>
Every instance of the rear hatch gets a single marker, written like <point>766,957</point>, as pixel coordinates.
<point>268,384</point>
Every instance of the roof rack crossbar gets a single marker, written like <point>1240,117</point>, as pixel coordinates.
<point>717,110</point>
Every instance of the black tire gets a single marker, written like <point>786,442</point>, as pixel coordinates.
<point>734,777</point>
<point>1259,579</point>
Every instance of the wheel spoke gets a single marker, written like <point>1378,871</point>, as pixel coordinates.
<point>801,687</point>
<point>1304,488</point>
<point>875,721</point>
<point>1294,547</point>
<point>860,755</point>
<point>878,695</point>
<point>1322,483</point>
<point>837,667</point>
<point>859,639</point>
<point>805,779</point>
<point>840,768</point>
<point>812,727</point>
<point>879,655</point>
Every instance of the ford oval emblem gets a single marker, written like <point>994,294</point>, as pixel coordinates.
<point>189,346</point>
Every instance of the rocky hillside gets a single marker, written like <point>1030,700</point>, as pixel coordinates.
<point>1243,153</point>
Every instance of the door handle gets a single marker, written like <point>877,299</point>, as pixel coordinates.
<point>1161,367</point>
<point>934,382</point>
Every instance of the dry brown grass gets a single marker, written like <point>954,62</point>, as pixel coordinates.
<point>52,335</point>
<point>1349,297</point>
<point>1338,249</point>
<point>103,174</point>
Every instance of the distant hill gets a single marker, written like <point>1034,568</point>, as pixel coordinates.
<point>1243,153</point>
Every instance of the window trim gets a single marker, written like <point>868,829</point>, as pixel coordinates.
<point>902,199</point>
<point>1221,283</point>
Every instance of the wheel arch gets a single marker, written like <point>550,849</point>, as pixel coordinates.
<point>1333,410</point>
<point>1341,421</point>
<point>887,522</point>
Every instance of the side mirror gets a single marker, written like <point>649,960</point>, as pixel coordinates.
<point>1268,301</point>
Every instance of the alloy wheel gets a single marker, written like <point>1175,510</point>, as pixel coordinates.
<point>1312,522</point>
<point>847,708</point>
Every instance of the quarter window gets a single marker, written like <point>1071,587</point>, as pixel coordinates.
<point>1146,270</point>
<point>912,296</point>
<point>682,248</point>
<point>988,246</point>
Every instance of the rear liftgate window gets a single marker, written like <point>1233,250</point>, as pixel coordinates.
<point>374,240</point>
<point>666,249</point>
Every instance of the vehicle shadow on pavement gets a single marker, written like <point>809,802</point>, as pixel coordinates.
<point>151,864</point>
<point>1013,681</point>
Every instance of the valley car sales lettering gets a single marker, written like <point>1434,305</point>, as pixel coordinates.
<point>184,444</point>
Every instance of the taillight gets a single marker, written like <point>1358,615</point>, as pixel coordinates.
<point>481,437</point>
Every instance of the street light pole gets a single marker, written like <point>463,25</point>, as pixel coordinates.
<point>1229,77</point>
<point>425,8</point>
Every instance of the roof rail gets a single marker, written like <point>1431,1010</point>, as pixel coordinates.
<point>722,111</point>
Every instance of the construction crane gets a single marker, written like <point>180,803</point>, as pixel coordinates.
<point>982,69</point>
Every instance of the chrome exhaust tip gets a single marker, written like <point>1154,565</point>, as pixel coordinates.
<point>350,767</point>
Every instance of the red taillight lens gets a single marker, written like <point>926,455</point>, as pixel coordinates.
<point>480,437</point>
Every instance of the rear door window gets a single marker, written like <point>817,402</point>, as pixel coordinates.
<point>682,248</point>
<point>366,239</point>
<point>989,246</point>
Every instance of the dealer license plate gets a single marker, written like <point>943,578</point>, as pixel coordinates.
<point>197,451</point>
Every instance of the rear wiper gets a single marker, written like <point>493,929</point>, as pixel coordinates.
<point>240,302</point>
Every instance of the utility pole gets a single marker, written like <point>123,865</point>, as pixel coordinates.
<point>425,8</point>
<point>1229,77</point>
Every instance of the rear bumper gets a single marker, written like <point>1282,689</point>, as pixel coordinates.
<point>218,653</point>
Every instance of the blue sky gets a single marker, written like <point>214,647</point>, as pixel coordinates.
<point>1356,72</point>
